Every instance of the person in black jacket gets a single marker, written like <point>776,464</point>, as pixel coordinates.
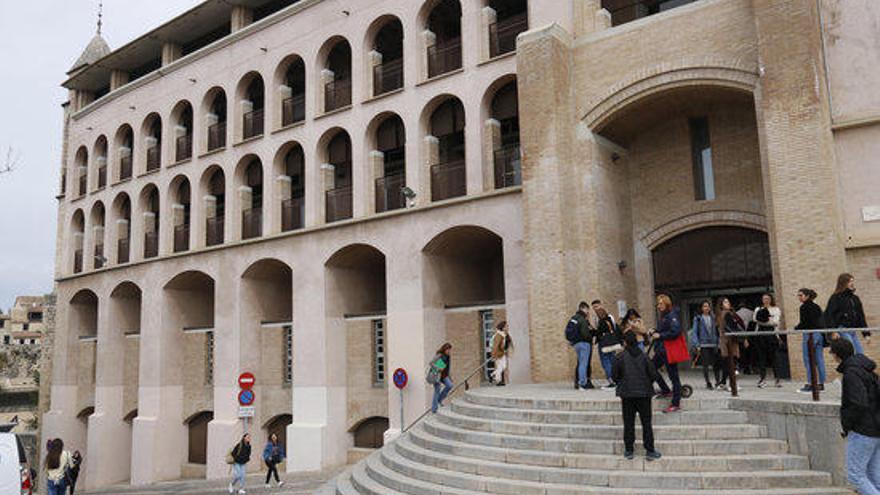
<point>583,347</point>
<point>859,416</point>
<point>844,310</point>
<point>241,455</point>
<point>811,319</point>
<point>635,376</point>
<point>608,340</point>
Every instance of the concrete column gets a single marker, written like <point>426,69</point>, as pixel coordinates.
<point>429,39</point>
<point>326,76</point>
<point>589,17</point>
<point>245,201</point>
<point>432,156</point>
<point>241,17</point>
<point>492,141</point>
<point>209,120</point>
<point>284,92</point>
<point>118,79</point>
<point>112,251</point>
<point>170,53</point>
<point>314,190</point>
<point>376,167</point>
<point>361,180</point>
<point>208,207</point>
<point>488,16</point>
<point>225,428</point>
<point>281,192</point>
<point>516,303</point>
<point>374,59</point>
<point>471,34</point>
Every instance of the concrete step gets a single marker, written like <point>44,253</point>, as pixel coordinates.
<point>610,417</point>
<point>590,400</point>
<point>600,432</point>
<point>465,452</point>
<point>360,482</point>
<point>594,446</point>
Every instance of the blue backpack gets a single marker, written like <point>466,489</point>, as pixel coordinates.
<point>572,333</point>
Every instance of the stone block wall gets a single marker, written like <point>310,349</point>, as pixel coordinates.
<point>365,399</point>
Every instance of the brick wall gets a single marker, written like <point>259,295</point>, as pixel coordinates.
<point>364,399</point>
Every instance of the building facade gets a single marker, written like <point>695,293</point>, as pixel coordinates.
<point>23,324</point>
<point>321,192</point>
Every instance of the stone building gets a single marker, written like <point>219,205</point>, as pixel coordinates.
<point>24,324</point>
<point>321,192</point>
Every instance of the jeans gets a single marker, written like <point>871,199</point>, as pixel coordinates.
<point>584,350</point>
<point>820,357</point>
<point>607,359</point>
<point>854,339</point>
<point>863,463</point>
<point>238,473</point>
<point>672,369</point>
<point>56,487</point>
<point>642,406</point>
<point>440,395</point>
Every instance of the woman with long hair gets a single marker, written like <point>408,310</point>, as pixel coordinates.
<point>704,335</point>
<point>811,319</point>
<point>56,464</point>
<point>241,455</point>
<point>441,361</point>
<point>273,455</point>
<point>844,310</point>
<point>632,322</point>
<point>609,343</point>
<point>502,347</point>
<point>728,321</point>
<point>767,317</point>
<point>669,328</point>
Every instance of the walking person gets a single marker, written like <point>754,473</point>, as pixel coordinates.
<point>704,335</point>
<point>635,376</point>
<point>767,318</point>
<point>668,330</point>
<point>73,472</point>
<point>502,347</point>
<point>632,322</point>
<point>273,455</point>
<point>241,455</point>
<point>441,361</point>
<point>729,347</point>
<point>609,341</point>
<point>859,416</point>
<point>811,319</point>
<point>580,336</point>
<point>844,310</point>
<point>56,465</point>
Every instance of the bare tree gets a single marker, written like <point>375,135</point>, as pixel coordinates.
<point>10,160</point>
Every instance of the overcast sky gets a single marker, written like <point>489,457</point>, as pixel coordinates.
<point>39,41</point>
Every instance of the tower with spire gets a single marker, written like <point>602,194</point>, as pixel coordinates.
<point>95,50</point>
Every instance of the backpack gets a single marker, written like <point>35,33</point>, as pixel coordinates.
<point>432,374</point>
<point>572,333</point>
<point>230,456</point>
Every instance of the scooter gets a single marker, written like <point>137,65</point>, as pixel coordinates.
<point>686,389</point>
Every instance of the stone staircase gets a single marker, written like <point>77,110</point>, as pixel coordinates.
<point>504,442</point>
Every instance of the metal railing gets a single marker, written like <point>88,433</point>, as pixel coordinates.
<point>389,192</point>
<point>214,230</point>
<point>83,184</point>
<point>337,94</point>
<point>338,204</point>
<point>125,167</point>
<point>448,180</point>
<point>508,166</point>
<point>77,261</point>
<point>151,244</point>
<point>102,176</point>
<point>252,124</point>
<point>122,250</point>
<point>387,76</point>
<point>444,58</point>
<point>216,136</point>
<point>183,150</point>
<point>99,256</point>
<point>293,109</point>
<point>464,383</point>
<point>502,34</point>
<point>181,238</point>
<point>251,223</point>
<point>292,214</point>
<point>153,161</point>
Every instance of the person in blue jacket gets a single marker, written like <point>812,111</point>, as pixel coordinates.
<point>704,337</point>
<point>669,328</point>
<point>273,455</point>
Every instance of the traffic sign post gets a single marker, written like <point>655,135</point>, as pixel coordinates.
<point>400,379</point>
<point>246,397</point>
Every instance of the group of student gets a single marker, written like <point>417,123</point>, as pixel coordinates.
<point>240,455</point>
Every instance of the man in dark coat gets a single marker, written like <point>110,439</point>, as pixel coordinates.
<point>635,375</point>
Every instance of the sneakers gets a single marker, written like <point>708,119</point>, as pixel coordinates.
<point>671,409</point>
<point>610,386</point>
<point>807,389</point>
<point>762,384</point>
<point>709,386</point>
<point>280,484</point>
<point>652,456</point>
<point>231,489</point>
<point>242,492</point>
<point>778,384</point>
<point>589,385</point>
<point>722,387</point>
<point>629,455</point>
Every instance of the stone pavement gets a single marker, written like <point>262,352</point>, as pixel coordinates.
<point>293,485</point>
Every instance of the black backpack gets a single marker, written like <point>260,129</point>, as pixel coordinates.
<point>572,333</point>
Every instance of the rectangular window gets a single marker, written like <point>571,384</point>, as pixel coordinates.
<point>701,155</point>
<point>6,339</point>
<point>35,316</point>
<point>2,323</point>
<point>378,353</point>
<point>25,326</point>
<point>487,324</point>
<point>209,358</point>
<point>288,354</point>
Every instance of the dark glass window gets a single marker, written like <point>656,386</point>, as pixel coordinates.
<point>701,155</point>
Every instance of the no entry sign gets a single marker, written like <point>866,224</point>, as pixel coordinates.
<point>246,380</point>
<point>400,378</point>
<point>246,397</point>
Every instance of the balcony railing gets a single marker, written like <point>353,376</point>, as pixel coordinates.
<point>102,176</point>
<point>151,244</point>
<point>293,109</point>
<point>122,249</point>
<point>63,182</point>
<point>153,161</point>
<point>623,11</point>
<point>337,94</point>
<point>125,168</point>
<point>99,256</point>
<point>448,180</point>
<point>83,180</point>
<point>508,167</point>
<point>252,223</point>
<point>214,231</point>
<point>338,203</point>
<point>444,58</point>
<point>502,34</point>
<point>389,192</point>
<point>292,214</point>
<point>252,124</point>
<point>387,76</point>
<point>78,261</point>
<point>184,148</point>
<point>181,238</point>
<point>216,136</point>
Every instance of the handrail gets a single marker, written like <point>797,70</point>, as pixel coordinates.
<point>454,389</point>
<point>797,332</point>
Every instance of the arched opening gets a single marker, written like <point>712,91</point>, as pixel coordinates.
<point>504,136</point>
<point>252,100</point>
<point>291,172</point>
<point>197,429</point>
<point>101,161</point>
<point>83,315</point>
<point>464,291</point>
<point>337,176</point>
<point>215,118</point>
<point>71,446</point>
<point>121,357</point>
<point>82,328</point>
<point>81,166</point>
<point>278,426</point>
<point>250,191</point>
<point>214,186</point>
<point>122,213</point>
<point>183,127</point>
<point>448,174</point>
<point>336,75</point>
<point>386,59</point>
<point>150,209</point>
<point>389,163</point>
<point>291,81</point>
<point>370,433</point>
<point>153,141</point>
<point>96,220</point>
<point>77,230</point>
<point>181,195</point>
<point>443,38</point>
<point>124,148</point>
<point>623,11</point>
<point>506,19</point>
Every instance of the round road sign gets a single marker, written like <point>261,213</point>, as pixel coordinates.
<point>246,397</point>
<point>246,380</point>
<point>400,378</point>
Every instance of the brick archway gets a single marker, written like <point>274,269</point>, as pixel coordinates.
<point>721,218</point>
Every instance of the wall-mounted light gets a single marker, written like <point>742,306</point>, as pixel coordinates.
<point>621,265</point>
<point>410,196</point>
<point>192,80</point>
<point>264,49</point>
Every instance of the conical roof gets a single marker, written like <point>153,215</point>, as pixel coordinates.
<point>96,49</point>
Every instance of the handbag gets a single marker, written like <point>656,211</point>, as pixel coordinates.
<point>677,350</point>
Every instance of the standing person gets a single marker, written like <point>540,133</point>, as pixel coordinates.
<point>502,347</point>
<point>747,354</point>
<point>580,335</point>
<point>635,376</point>
<point>767,320</point>
<point>442,361</point>
<point>704,335</point>
<point>609,342</point>
<point>811,319</point>
<point>241,455</point>
<point>632,322</point>
<point>728,322</point>
<point>273,455</point>
<point>844,310</point>
<point>668,329</point>
<point>73,472</point>
<point>859,416</point>
<point>56,464</point>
